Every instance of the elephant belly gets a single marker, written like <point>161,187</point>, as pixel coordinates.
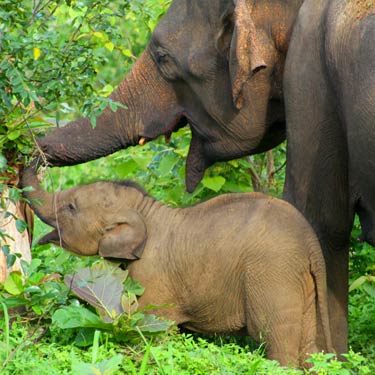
<point>210,316</point>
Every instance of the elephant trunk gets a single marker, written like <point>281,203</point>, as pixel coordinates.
<point>151,108</point>
<point>40,200</point>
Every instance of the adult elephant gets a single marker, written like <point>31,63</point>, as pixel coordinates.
<point>216,65</point>
<point>330,107</point>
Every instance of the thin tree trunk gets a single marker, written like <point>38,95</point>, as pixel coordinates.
<point>270,168</point>
<point>18,243</point>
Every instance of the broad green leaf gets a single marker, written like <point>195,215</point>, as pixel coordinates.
<point>100,35</point>
<point>107,89</point>
<point>110,46</point>
<point>14,135</point>
<point>20,225</point>
<point>101,286</point>
<point>36,277</point>
<point>133,286</point>
<point>214,183</point>
<point>78,317</point>
<point>14,302</point>
<point>167,163</point>
<point>106,367</point>
<point>93,120</point>
<point>357,283</point>
<point>85,337</point>
<point>37,309</point>
<point>152,324</point>
<point>125,168</point>
<point>142,159</point>
<point>11,259</point>
<point>370,289</point>
<point>29,268</point>
<point>5,249</point>
<point>14,283</point>
<point>129,303</point>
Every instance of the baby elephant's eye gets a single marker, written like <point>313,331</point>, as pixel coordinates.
<point>72,206</point>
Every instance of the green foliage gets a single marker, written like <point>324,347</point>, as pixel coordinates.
<point>327,364</point>
<point>105,367</point>
<point>57,58</point>
<point>113,294</point>
<point>33,290</point>
<point>362,295</point>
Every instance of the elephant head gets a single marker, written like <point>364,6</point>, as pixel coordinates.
<point>89,219</point>
<point>214,65</point>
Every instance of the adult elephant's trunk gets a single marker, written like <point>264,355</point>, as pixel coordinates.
<point>40,200</point>
<point>152,111</point>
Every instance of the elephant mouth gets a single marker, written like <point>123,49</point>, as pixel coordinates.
<point>196,162</point>
<point>54,238</point>
<point>179,121</point>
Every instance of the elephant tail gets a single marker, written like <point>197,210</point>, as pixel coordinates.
<point>318,271</point>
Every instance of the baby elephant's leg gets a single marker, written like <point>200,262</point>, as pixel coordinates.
<point>275,314</point>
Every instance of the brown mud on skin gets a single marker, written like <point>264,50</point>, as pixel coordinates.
<point>361,8</point>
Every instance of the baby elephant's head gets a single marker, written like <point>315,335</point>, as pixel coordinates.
<point>99,218</point>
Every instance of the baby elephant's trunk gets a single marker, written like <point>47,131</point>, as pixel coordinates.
<point>40,200</point>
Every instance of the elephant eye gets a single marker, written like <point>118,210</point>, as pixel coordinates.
<point>72,206</point>
<point>167,65</point>
<point>161,58</point>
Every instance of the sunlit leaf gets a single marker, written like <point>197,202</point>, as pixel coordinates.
<point>14,283</point>
<point>357,283</point>
<point>213,183</point>
<point>110,46</point>
<point>14,135</point>
<point>105,367</point>
<point>167,163</point>
<point>36,52</point>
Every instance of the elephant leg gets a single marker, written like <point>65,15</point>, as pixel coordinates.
<point>357,105</point>
<point>274,313</point>
<point>317,172</point>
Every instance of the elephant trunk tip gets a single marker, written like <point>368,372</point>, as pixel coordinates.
<point>40,200</point>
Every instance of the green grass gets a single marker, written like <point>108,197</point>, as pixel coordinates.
<point>169,354</point>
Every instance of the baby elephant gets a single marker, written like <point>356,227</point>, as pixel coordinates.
<point>236,262</point>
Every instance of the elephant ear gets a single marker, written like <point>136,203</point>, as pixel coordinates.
<point>245,51</point>
<point>125,239</point>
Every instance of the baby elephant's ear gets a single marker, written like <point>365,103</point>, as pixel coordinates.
<point>125,239</point>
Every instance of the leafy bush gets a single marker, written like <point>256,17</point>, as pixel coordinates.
<point>113,294</point>
<point>58,58</point>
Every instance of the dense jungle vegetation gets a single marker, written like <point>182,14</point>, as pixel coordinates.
<point>59,60</point>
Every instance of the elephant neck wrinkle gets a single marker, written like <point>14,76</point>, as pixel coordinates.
<point>149,207</point>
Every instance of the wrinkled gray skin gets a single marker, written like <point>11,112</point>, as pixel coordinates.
<point>217,65</point>
<point>238,262</point>
<point>330,106</point>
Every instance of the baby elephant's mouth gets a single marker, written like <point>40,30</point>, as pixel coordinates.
<point>53,237</point>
